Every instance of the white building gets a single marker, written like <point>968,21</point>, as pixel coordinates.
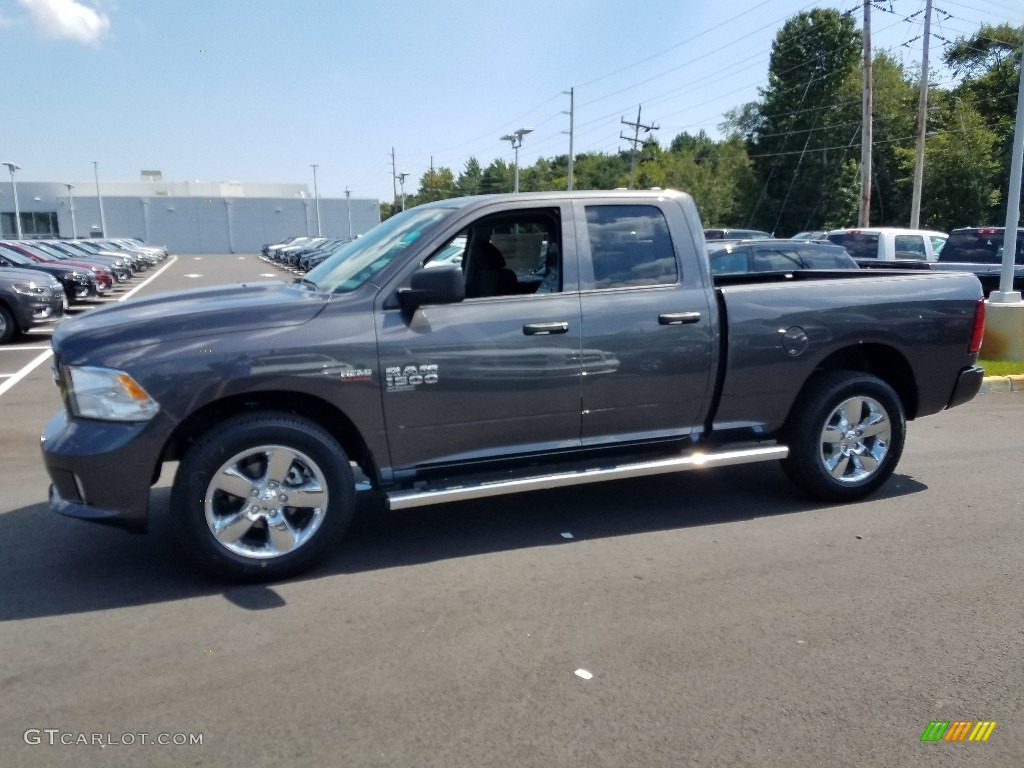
<point>186,216</point>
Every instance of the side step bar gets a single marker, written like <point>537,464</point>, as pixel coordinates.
<point>421,498</point>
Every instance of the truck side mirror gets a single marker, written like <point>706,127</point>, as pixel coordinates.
<point>436,285</point>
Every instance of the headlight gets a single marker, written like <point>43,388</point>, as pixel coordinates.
<point>32,289</point>
<point>108,394</point>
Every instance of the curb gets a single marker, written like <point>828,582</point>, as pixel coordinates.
<point>1013,383</point>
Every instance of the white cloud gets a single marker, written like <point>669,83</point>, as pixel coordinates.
<point>67,19</point>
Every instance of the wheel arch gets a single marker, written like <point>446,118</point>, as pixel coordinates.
<point>316,409</point>
<point>881,360</point>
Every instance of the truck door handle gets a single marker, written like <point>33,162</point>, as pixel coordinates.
<point>545,329</point>
<point>678,318</point>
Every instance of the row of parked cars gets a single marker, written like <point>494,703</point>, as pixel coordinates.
<point>967,249</point>
<point>302,253</point>
<point>39,279</point>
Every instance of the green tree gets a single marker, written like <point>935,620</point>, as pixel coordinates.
<point>469,180</point>
<point>436,184</point>
<point>790,130</point>
<point>961,169</point>
<point>600,171</point>
<point>497,177</point>
<point>987,65</point>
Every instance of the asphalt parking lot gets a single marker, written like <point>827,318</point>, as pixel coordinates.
<point>722,619</point>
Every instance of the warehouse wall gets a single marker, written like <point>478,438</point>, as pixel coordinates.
<point>195,224</point>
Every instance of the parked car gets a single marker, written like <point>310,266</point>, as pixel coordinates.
<point>737,234</point>
<point>889,243</point>
<point>740,257</point>
<point>816,234</point>
<point>79,284</point>
<point>28,300</point>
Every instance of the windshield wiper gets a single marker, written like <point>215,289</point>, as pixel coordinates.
<point>312,286</point>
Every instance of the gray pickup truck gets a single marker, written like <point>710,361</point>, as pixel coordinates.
<point>572,338</point>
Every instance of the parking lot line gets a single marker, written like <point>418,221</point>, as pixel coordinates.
<point>26,347</point>
<point>46,355</point>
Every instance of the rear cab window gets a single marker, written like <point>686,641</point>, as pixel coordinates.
<point>860,245</point>
<point>979,246</point>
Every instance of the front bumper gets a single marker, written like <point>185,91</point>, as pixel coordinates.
<point>40,311</point>
<point>968,384</point>
<point>100,470</point>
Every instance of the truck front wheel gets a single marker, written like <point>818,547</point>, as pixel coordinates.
<point>262,496</point>
<point>845,436</point>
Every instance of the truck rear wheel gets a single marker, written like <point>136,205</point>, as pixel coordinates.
<point>262,496</point>
<point>845,436</point>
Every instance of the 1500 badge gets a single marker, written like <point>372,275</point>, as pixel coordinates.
<point>405,377</point>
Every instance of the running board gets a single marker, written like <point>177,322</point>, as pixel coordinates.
<point>422,498</point>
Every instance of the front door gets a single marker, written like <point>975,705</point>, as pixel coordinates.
<point>497,374</point>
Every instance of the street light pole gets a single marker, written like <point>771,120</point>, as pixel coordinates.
<point>99,197</point>
<point>71,207</point>
<point>14,188</point>
<point>516,137</point>
<point>316,197</point>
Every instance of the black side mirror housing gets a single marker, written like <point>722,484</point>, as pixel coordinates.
<point>434,285</point>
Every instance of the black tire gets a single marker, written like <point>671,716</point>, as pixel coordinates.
<point>845,436</point>
<point>8,325</point>
<point>238,478</point>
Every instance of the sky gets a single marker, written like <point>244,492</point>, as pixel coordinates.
<point>257,91</point>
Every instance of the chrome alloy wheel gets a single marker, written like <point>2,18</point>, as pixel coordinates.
<point>855,439</point>
<point>266,501</point>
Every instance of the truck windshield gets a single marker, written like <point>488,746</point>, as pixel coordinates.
<point>355,263</point>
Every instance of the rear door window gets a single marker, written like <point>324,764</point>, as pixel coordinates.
<point>630,246</point>
<point>910,247</point>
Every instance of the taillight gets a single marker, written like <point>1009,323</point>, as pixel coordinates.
<point>989,231</point>
<point>979,328</point>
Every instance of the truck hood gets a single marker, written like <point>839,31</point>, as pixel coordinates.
<point>166,317</point>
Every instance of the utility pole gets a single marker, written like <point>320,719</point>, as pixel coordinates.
<point>348,205</point>
<point>922,122</point>
<point>401,180</point>
<point>864,214</point>
<point>635,139</point>
<point>571,113</point>
<point>394,178</point>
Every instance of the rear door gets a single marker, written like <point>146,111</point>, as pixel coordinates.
<point>647,326</point>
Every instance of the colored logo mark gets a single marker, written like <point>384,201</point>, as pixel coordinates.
<point>958,730</point>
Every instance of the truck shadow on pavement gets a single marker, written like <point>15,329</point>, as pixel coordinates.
<point>54,566</point>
